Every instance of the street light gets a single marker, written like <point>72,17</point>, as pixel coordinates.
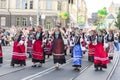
<point>31,19</point>
<point>43,19</point>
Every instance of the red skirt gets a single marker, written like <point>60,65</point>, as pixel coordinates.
<point>37,50</point>
<point>19,51</point>
<point>0,51</point>
<point>91,49</point>
<point>58,48</point>
<point>29,46</point>
<point>100,56</point>
<point>1,59</point>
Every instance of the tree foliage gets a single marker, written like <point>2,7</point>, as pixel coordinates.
<point>117,22</point>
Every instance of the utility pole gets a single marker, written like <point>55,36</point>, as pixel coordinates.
<point>38,13</point>
<point>77,10</point>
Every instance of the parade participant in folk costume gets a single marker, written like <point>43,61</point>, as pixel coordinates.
<point>72,41</point>
<point>110,39</point>
<point>30,43</point>
<point>38,57</point>
<point>83,41</point>
<point>77,54</point>
<point>19,54</point>
<point>58,48</point>
<point>48,44</point>
<point>1,57</point>
<point>91,46</point>
<point>65,39</point>
<point>101,56</point>
<point>116,42</point>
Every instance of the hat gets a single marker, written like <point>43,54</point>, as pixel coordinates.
<point>40,27</point>
<point>58,25</point>
<point>30,30</point>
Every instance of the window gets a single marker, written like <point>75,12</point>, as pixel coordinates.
<point>2,4</point>
<point>74,1</point>
<point>24,21</point>
<point>24,4</point>
<point>18,4</point>
<point>31,4</point>
<point>17,21</point>
<point>48,4</point>
<point>59,6</point>
<point>3,21</point>
<point>70,1</point>
<point>48,25</point>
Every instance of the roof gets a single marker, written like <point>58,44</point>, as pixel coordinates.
<point>110,16</point>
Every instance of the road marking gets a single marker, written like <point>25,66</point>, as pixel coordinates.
<point>114,67</point>
<point>84,69</point>
<point>42,73</point>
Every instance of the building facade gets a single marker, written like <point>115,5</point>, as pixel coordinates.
<point>78,8</point>
<point>39,12</point>
<point>114,8</point>
<point>31,12</point>
<point>17,12</point>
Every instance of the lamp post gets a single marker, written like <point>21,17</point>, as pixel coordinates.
<point>31,19</point>
<point>43,20</point>
<point>38,13</point>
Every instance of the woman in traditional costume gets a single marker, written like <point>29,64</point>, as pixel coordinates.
<point>116,42</point>
<point>77,54</point>
<point>30,43</point>
<point>38,57</point>
<point>19,54</point>
<point>72,42</point>
<point>110,40</point>
<point>1,57</point>
<point>101,56</point>
<point>48,44</point>
<point>58,48</point>
<point>91,46</point>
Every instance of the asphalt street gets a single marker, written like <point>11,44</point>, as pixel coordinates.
<point>48,71</point>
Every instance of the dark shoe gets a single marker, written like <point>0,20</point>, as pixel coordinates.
<point>77,69</point>
<point>21,64</point>
<point>34,66</point>
<point>100,68</point>
<point>40,65</point>
<point>12,65</point>
<point>96,69</point>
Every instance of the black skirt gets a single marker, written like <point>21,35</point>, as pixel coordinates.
<point>91,58</point>
<point>14,61</point>
<point>99,65</point>
<point>110,57</point>
<point>1,60</point>
<point>76,65</point>
<point>36,60</point>
<point>60,61</point>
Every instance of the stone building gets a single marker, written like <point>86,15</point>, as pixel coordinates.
<point>39,12</point>
<point>78,8</point>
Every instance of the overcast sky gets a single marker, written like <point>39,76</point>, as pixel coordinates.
<point>95,5</point>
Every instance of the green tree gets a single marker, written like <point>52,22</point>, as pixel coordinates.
<point>117,22</point>
<point>96,22</point>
